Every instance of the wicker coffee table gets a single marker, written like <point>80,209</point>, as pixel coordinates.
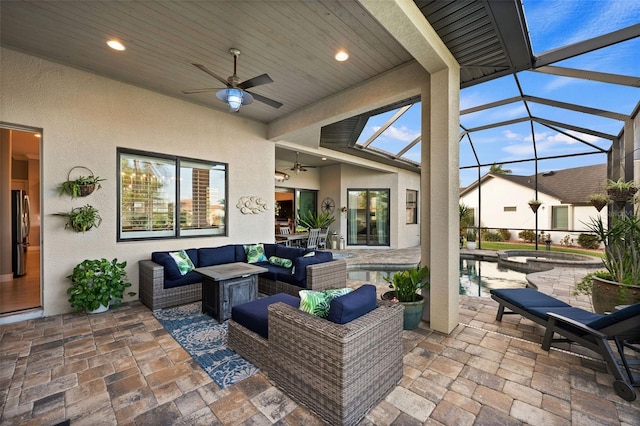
<point>228,285</point>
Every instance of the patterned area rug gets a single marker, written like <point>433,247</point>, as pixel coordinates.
<point>206,341</point>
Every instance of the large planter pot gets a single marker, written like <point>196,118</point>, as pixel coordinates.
<point>412,310</point>
<point>100,309</point>
<point>606,295</point>
<point>471,245</point>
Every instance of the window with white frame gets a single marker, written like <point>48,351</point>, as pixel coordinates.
<point>560,217</point>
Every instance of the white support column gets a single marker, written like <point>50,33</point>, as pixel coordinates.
<point>440,183</point>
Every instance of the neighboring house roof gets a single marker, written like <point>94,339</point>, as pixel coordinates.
<point>570,186</point>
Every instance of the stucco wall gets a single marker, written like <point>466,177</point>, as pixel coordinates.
<point>84,118</point>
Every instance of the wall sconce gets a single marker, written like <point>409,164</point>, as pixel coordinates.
<point>343,210</point>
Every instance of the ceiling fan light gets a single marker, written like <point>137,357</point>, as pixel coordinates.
<point>234,97</point>
<point>281,176</point>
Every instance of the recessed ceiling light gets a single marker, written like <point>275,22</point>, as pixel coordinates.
<point>37,135</point>
<point>324,158</point>
<point>342,56</point>
<point>116,45</point>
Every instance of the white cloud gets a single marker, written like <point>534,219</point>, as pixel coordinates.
<point>402,134</point>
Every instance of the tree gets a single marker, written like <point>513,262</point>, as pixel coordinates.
<point>498,170</point>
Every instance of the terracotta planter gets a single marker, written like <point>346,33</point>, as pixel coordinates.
<point>606,295</point>
<point>412,310</point>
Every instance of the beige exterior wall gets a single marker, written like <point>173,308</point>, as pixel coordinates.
<point>85,117</point>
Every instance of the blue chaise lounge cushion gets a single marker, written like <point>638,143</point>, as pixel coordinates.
<point>254,315</point>
<point>526,298</point>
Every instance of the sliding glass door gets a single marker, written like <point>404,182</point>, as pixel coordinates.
<point>368,217</point>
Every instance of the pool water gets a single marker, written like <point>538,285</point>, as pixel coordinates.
<point>477,277</point>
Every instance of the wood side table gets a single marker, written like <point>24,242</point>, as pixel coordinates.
<point>228,285</point>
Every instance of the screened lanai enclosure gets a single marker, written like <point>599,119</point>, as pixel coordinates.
<point>545,87</point>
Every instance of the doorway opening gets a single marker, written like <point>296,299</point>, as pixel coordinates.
<point>20,262</point>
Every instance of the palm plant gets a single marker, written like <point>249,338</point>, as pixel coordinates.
<point>405,284</point>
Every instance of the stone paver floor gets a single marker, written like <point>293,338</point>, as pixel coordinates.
<point>121,367</point>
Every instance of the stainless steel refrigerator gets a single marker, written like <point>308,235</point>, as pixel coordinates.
<point>20,227</point>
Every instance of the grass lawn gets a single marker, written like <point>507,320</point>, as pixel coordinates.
<point>491,245</point>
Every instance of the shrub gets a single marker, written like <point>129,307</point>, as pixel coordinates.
<point>527,235</point>
<point>567,241</point>
<point>491,236</point>
<point>588,241</point>
<point>505,234</point>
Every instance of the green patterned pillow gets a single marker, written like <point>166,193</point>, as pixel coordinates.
<point>279,261</point>
<point>255,253</point>
<point>183,261</point>
<point>318,302</point>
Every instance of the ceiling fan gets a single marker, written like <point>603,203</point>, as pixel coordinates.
<point>298,167</point>
<point>235,94</point>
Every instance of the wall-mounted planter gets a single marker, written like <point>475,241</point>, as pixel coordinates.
<point>79,186</point>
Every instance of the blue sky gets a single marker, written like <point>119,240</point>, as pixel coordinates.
<point>551,24</point>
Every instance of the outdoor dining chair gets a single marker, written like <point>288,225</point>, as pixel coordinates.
<point>312,240</point>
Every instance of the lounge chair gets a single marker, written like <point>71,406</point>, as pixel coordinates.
<point>591,330</point>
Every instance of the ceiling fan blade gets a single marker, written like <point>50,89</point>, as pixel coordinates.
<point>255,81</point>
<point>212,74</point>
<point>188,92</point>
<point>265,100</point>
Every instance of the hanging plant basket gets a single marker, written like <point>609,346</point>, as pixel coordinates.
<point>620,196</point>
<point>80,186</point>
<point>534,206</point>
<point>599,204</point>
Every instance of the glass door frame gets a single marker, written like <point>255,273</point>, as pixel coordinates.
<point>352,214</point>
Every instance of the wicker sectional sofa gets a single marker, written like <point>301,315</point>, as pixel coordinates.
<point>161,285</point>
<point>340,370</point>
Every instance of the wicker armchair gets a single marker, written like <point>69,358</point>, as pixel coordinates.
<point>338,371</point>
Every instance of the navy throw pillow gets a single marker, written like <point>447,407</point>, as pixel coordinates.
<point>353,305</point>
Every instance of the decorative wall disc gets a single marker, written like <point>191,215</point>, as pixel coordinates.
<point>328,205</point>
<point>252,204</point>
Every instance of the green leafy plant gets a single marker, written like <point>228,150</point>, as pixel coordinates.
<point>620,184</point>
<point>405,284</point>
<point>80,187</point>
<point>81,219</point>
<point>588,241</point>
<point>312,220</point>
<point>466,217</point>
<point>97,282</point>
<point>621,246</point>
<point>505,234</point>
<point>491,236</point>
<point>585,285</point>
<point>527,235</point>
<point>472,234</point>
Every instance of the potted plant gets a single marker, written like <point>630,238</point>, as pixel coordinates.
<point>97,284</point>
<point>472,234</point>
<point>620,192</point>
<point>534,204</point>
<point>405,285</point>
<point>619,284</point>
<point>81,219</point>
<point>599,200</point>
<point>312,220</point>
<point>80,187</point>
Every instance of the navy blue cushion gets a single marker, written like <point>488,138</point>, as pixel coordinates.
<point>186,279</point>
<point>353,305</point>
<point>287,277</point>
<point>300,263</point>
<point>575,314</point>
<point>273,271</point>
<point>254,315</point>
<point>209,256</point>
<point>288,252</point>
<point>171,271</point>
<point>241,255</point>
<point>526,298</point>
<point>616,317</point>
<point>269,249</point>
